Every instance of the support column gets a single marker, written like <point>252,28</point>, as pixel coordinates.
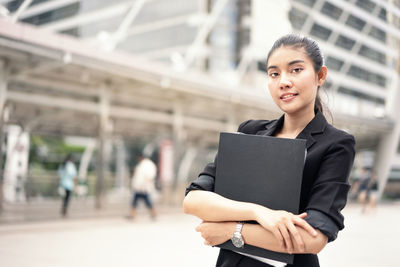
<point>232,125</point>
<point>83,167</point>
<point>203,32</point>
<point>121,168</point>
<point>183,172</point>
<point>178,150</point>
<point>104,128</point>
<point>3,97</point>
<point>205,8</point>
<point>388,143</point>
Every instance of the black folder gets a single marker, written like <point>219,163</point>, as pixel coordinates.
<point>263,170</point>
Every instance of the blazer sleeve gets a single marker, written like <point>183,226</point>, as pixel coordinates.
<point>206,178</point>
<point>329,191</point>
<point>323,222</point>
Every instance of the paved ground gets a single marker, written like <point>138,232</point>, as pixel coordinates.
<point>368,240</point>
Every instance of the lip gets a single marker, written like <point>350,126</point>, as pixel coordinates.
<point>288,96</point>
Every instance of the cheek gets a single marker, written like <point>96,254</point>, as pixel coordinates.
<point>271,87</point>
<point>307,83</point>
<point>271,92</point>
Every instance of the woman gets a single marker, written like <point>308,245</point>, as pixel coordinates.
<point>67,173</point>
<point>295,73</point>
<point>143,184</point>
<point>367,189</point>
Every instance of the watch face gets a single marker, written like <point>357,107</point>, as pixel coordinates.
<point>237,241</point>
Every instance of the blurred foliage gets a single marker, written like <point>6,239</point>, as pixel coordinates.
<point>47,152</point>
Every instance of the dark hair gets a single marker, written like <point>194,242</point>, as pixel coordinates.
<point>312,50</point>
<point>69,157</point>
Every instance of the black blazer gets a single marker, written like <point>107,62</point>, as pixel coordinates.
<point>330,156</point>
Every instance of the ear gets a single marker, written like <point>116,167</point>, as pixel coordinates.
<point>322,75</point>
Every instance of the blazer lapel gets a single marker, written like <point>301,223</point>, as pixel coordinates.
<point>308,137</point>
<point>315,126</point>
<point>271,127</point>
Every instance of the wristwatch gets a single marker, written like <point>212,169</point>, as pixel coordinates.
<point>237,239</point>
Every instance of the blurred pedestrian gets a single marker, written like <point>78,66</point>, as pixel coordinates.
<point>143,184</point>
<point>368,190</point>
<point>67,173</point>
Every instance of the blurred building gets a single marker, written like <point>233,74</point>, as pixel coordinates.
<point>184,70</point>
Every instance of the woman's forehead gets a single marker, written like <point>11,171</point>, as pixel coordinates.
<point>284,55</point>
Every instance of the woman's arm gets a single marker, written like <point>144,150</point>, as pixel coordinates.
<point>212,207</point>
<point>256,235</point>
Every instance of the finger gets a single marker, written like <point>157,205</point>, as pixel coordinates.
<point>286,238</point>
<point>278,237</point>
<point>296,236</point>
<point>200,227</point>
<point>303,215</point>
<point>304,224</point>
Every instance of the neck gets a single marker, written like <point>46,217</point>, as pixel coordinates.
<point>295,123</point>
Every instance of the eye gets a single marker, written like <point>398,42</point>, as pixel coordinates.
<point>295,70</point>
<point>273,74</point>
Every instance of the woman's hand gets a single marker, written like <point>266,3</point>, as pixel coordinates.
<point>282,225</point>
<point>215,233</point>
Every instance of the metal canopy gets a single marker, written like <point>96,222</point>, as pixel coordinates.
<point>60,85</point>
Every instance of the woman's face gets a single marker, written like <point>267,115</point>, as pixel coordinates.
<point>292,80</point>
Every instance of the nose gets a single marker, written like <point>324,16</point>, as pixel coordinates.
<point>284,82</point>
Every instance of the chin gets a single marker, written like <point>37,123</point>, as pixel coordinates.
<point>289,110</point>
<point>294,108</point>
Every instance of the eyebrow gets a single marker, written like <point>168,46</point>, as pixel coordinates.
<point>289,64</point>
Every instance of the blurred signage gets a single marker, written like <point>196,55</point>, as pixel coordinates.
<point>16,165</point>
<point>166,162</point>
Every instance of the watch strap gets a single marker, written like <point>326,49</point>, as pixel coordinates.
<point>239,227</point>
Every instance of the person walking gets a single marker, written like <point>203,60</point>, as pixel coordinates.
<point>296,71</point>
<point>143,184</point>
<point>368,190</point>
<point>67,173</point>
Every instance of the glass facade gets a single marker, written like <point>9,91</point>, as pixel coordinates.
<point>345,42</point>
<point>368,76</point>
<point>243,30</point>
<point>309,3</point>
<point>367,5</point>
<point>13,5</point>
<point>54,15</point>
<point>334,63</point>
<point>382,14</point>
<point>331,10</point>
<point>378,34</point>
<point>355,22</point>
<point>355,93</point>
<point>297,18</point>
<point>222,40</point>
<point>353,54</point>
<point>373,54</point>
<point>320,31</point>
